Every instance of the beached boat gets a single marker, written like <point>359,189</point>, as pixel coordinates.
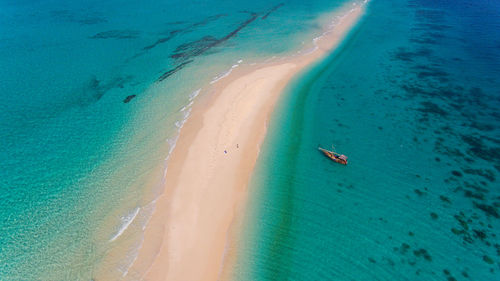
<point>339,158</point>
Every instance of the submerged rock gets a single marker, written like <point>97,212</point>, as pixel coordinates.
<point>129,98</point>
<point>487,209</point>
<point>487,259</point>
<point>116,34</point>
<point>444,199</point>
<point>422,253</point>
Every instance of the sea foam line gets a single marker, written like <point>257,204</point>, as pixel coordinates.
<point>172,141</point>
<point>194,94</point>
<point>226,73</point>
<point>134,254</point>
<point>126,221</point>
<point>145,217</point>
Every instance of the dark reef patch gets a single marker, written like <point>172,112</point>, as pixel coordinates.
<point>477,148</point>
<point>162,40</point>
<point>389,261</point>
<point>403,54</point>
<point>73,17</point>
<point>497,247</point>
<point>129,98</point>
<point>497,167</point>
<point>462,220</point>
<point>431,26</point>
<point>419,192</point>
<point>95,89</point>
<point>458,114</point>
<point>464,228</point>
<point>199,47</point>
<point>424,41</point>
<point>448,275</point>
<point>187,29</point>
<point>273,9</point>
<point>116,34</point>
<point>190,50</point>
<point>487,174</point>
<point>444,199</point>
<point>206,21</point>
<point>412,90</point>
<point>422,253</point>
<point>430,107</point>
<point>481,234</point>
<point>481,126</point>
<point>434,216</point>
<point>174,70</point>
<point>475,195</point>
<point>447,150</point>
<point>438,74</point>
<point>487,259</point>
<point>489,210</point>
<point>426,71</point>
<point>403,249</point>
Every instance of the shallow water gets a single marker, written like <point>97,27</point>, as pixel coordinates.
<point>412,98</point>
<point>93,94</point>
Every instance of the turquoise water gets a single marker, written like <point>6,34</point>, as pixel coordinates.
<point>412,97</point>
<point>93,94</point>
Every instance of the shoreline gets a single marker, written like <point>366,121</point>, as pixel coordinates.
<point>190,234</point>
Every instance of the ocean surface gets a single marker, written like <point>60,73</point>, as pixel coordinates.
<point>412,97</point>
<point>93,94</point>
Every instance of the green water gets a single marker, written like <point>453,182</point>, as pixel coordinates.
<point>415,107</point>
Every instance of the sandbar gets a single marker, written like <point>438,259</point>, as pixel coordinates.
<point>208,172</point>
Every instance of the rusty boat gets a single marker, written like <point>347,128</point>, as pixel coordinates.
<point>339,158</point>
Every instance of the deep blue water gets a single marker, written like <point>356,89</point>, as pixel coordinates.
<point>412,97</point>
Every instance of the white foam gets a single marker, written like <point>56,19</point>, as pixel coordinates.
<point>143,218</point>
<point>226,73</point>
<point>310,50</point>
<point>130,258</point>
<point>315,39</point>
<point>336,20</point>
<point>147,213</point>
<point>171,145</point>
<point>126,221</point>
<point>181,123</point>
<point>223,75</point>
<point>186,110</point>
<point>194,94</point>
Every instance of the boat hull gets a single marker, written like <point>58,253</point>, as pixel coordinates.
<point>333,156</point>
